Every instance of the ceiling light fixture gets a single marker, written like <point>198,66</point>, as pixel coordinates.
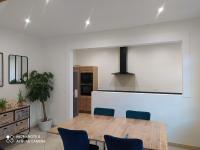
<point>160,10</point>
<point>27,21</point>
<point>47,1</point>
<point>87,22</point>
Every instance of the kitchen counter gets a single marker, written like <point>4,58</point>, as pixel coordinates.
<point>141,92</point>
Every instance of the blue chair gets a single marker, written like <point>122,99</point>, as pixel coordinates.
<point>114,143</point>
<point>1,148</point>
<point>104,112</point>
<point>75,140</point>
<point>138,115</point>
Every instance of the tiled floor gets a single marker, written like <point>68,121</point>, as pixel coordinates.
<point>52,142</point>
<point>174,148</point>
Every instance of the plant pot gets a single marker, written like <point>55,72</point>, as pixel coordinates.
<point>45,125</point>
<point>2,109</point>
<point>21,104</point>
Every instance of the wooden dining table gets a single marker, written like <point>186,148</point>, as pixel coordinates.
<point>153,134</point>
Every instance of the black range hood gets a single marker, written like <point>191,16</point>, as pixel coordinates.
<point>123,62</point>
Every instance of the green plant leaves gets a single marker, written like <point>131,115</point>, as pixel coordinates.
<point>3,103</point>
<point>20,97</point>
<point>39,86</point>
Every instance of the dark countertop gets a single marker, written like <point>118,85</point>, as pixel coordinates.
<point>141,92</point>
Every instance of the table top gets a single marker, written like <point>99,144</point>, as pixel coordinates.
<point>152,133</point>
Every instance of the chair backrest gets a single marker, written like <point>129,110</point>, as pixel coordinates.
<point>114,143</point>
<point>74,139</point>
<point>138,115</point>
<point>1,148</point>
<point>104,111</point>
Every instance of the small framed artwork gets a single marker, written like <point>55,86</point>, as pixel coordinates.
<point>1,69</point>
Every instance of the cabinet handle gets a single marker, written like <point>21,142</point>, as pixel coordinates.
<point>5,115</point>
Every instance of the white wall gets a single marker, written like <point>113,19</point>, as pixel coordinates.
<point>19,44</point>
<point>59,60</point>
<point>163,108</point>
<point>157,67</point>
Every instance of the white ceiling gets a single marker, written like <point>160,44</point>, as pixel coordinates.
<point>61,17</point>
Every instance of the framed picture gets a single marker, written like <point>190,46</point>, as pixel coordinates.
<point>1,69</point>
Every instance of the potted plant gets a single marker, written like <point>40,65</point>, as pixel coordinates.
<point>39,86</point>
<point>3,103</point>
<point>21,100</point>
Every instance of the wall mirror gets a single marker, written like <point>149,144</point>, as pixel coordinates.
<point>18,66</point>
<point>1,69</point>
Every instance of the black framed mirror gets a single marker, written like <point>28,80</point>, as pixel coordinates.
<point>1,69</point>
<point>18,66</point>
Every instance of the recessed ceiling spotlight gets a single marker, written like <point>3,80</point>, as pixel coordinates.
<point>87,22</point>
<point>160,9</point>
<point>27,21</point>
<point>47,1</point>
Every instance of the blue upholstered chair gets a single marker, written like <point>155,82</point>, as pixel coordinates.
<point>75,140</point>
<point>114,143</point>
<point>138,115</point>
<point>1,148</point>
<point>104,112</point>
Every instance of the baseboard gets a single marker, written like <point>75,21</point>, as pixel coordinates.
<point>183,146</point>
